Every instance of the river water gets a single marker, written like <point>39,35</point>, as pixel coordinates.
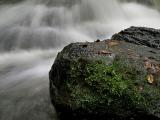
<point>32,32</point>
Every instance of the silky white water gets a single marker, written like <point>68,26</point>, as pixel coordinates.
<point>32,32</point>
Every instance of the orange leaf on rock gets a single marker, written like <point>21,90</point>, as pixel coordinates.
<point>113,43</point>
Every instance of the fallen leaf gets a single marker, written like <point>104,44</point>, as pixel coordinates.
<point>150,78</point>
<point>113,43</point>
<point>104,52</point>
<point>148,64</point>
<point>158,67</point>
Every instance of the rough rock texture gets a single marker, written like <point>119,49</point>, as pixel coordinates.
<point>141,36</point>
<point>152,3</point>
<point>110,79</point>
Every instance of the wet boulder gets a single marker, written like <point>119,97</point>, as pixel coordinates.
<point>109,79</point>
<point>140,36</point>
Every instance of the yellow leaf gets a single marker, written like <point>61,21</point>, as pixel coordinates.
<point>150,78</point>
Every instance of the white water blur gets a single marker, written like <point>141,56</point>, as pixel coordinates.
<point>24,85</point>
<point>31,34</point>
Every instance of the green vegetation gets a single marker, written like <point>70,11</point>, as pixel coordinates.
<point>96,86</point>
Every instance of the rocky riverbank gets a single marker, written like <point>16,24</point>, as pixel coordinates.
<point>110,79</point>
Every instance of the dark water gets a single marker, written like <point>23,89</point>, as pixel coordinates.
<point>33,31</point>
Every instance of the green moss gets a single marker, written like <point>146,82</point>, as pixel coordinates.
<point>105,79</point>
<point>96,86</point>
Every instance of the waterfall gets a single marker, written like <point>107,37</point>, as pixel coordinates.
<point>47,24</point>
<point>32,32</point>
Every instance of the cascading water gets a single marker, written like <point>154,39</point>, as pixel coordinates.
<point>33,31</point>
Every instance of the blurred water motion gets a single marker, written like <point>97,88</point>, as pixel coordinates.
<point>33,31</point>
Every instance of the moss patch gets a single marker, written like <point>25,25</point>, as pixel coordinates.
<point>97,87</point>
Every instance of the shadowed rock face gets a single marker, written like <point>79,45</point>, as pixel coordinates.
<point>113,79</point>
<point>145,2</point>
<point>141,36</point>
<point>47,2</point>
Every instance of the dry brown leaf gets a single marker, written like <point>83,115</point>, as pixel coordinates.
<point>158,67</point>
<point>113,43</point>
<point>104,52</point>
<point>150,78</point>
<point>148,64</point>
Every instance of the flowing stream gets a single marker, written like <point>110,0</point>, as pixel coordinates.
<point>32,32</point>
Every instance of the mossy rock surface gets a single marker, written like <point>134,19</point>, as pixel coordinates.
<point>108,79</point>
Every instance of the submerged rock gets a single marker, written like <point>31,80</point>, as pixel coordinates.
<point>110,79</point>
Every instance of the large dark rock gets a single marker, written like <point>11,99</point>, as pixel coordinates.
<point>145,2</point>
<point>110,79</point>
<point>140,35</point>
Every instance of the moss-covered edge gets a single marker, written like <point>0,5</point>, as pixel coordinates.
<point>97,87</point>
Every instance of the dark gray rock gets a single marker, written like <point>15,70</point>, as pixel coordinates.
<point>144,2</point>
<point>110,79</point>
<point>140,36</point>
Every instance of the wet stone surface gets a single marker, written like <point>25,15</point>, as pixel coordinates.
<point>117,78</point>
<point>140,35</point>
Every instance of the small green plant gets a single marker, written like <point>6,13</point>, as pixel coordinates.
<point>105,79</point>
<point>97,85</point>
